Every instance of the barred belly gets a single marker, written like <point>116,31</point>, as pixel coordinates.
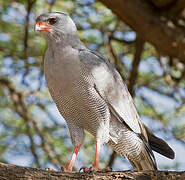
<point>127,143</point>
<point>86,109</point>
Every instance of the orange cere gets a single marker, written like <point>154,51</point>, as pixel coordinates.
<point>42,26</point>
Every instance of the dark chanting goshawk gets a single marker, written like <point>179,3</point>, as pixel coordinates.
<point>91,95</point>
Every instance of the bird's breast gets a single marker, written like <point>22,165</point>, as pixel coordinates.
<point>61,66</point>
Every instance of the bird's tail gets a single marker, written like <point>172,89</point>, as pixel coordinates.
<point>147,160</point>
<point>159,145</point>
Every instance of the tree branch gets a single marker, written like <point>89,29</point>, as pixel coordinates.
<point>8,172</point>
<point>140,16</point>
<point>135,65</point>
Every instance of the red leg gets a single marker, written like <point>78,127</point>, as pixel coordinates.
<point>73,158</point>
<point>96,160</point>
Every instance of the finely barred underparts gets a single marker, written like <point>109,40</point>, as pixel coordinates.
<point>82,108</point>
<point>128,143</point>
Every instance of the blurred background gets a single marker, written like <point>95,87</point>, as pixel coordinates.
<point>151,61</point>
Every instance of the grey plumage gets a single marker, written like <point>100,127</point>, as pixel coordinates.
<point>91,95</point>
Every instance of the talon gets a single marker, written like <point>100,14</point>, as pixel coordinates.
<point>50,169</point>
<point>86,169</point>
<point>82,168</point>
<point>63,169</point>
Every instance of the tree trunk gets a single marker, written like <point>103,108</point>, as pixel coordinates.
<point>13,172</point>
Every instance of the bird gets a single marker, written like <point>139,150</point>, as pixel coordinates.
<point>91,96</point>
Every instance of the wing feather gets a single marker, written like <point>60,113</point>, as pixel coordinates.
<point>111,88</point>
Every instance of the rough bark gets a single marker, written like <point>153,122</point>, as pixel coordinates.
<point>13,172</point>
<point>147,22</point>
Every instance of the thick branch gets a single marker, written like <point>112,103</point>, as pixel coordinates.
<point>140,16</point>
<point>13,172</point>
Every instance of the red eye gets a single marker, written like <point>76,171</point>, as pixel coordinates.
<point>52,21</point>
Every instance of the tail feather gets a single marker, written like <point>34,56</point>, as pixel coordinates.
<point>159,145</point>
<point>147,161</point>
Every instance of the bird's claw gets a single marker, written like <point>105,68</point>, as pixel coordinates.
<point>86,169</point>
<point>63,169</point>
<point>50,169</point>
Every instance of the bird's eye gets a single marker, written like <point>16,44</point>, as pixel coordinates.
<point>52,21</point>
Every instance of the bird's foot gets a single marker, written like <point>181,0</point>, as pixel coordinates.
<point>85,169</point>
<point>92,169</point>
<point>63,169</point>
<point>51,169</point>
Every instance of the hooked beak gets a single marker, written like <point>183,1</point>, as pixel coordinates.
<point>42,26</point>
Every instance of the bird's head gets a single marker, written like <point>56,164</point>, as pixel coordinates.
<point>55,25</point>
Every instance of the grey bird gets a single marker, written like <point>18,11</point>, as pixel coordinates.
<point>91,95</point>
